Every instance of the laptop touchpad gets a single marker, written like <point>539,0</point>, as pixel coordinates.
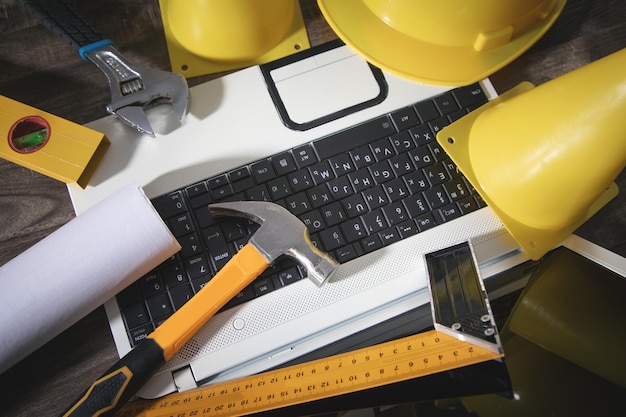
<point>314,90</point>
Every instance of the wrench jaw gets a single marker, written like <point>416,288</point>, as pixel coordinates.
<point>134,88</point>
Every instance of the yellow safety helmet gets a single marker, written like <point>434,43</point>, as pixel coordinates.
<point>447,42</point>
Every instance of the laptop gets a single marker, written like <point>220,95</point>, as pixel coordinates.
<point>286,110</point>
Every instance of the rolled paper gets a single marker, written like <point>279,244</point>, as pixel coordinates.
<point>74,270</point>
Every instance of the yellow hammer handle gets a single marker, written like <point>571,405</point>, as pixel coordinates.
<point>123,379</point>
<point>238,273</point>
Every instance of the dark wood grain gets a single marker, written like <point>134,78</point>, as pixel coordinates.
<point>40,70</point>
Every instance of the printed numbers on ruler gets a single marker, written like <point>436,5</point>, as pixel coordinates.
<point>399,360</point>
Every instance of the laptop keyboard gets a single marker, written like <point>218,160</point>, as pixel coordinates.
<point>357,190</point>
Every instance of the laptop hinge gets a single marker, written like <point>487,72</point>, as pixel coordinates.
<point>184,379</point>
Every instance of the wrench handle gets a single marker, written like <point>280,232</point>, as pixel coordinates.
<point>60,17</point>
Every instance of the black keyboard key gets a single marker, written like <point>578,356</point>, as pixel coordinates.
<point>279,188</point>
<point>135,315</point>
<point>449,212</point>
<point>396,189</point>
<point>407,229</point>
<point>181,225</point>
<point>361,180</point>
<point>239,174</point>
<point>262,171</point>
<point>342,164</point>
<point>381,172</point>
<point>362,156</point>
<point>375,197</point>
<point>298,204</point>
<point>353,230</point>
<point>319,196</point>
<point>140,333</point>
<point>470,95</point>
<point>456,189</point>
<point>416,205</point>
<point>300,180</point>
<point>354,205</point>
<point>416,182</point>
<point>436,197</point>
<point>446,104</point>
<point>284,163</point>
<point>170,204</point>
<point>468,204</point>
<point>436,174</point>
<point>151,284</point>
<point>396,213</point>
<point>346,253</point>
<point>422,135</point>
<point>383,149</point>
<point>234,229</point>
<point>359,135</point>
<point>258,193</point>
<point>222,193</point>
<point>304,156</point>
<point>159,306</point>
<point>374,221</point>
<point>340,187</point>
<point>218,182</point>
<point>405,118</point>
<point>197,189</point>
<point>173,274</point>
<point>402,142</point>
<point>389,236</point>
<point>180,295</point>
<point>426,110</point>
<point>425,222</point>
<point>289,276</point>
<point>438,124</point>
<point>371,243</point>
<point>332,238</point>
<point>313,221</point>
<point>196,267</point>
<point>321,172</point>
<point>262,286</point>
<point>333,214</point>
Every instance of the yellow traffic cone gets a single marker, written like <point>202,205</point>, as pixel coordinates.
<point>544,158</point>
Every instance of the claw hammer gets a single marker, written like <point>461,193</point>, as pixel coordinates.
<point>281,233</point>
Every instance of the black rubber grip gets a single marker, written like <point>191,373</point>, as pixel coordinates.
<point>62,19</point>
<point>117,385</point>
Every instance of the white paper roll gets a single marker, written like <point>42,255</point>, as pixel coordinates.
<point>77,268</point>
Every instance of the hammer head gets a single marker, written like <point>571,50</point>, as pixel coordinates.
<point>281,233</point>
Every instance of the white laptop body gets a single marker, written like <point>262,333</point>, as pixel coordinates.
<point>233,121</point>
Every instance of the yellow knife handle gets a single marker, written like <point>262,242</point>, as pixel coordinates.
<point>238,273</point>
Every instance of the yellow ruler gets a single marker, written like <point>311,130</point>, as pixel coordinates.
<point>465,334</point>
<point>396,361</point>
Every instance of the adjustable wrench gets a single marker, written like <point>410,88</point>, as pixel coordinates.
<point>133,88</point>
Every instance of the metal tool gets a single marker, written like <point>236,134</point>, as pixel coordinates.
<point>133,88</point>
<point>280,233</point>
<point>465,334</point>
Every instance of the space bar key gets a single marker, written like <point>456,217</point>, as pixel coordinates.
<point>356,136</point>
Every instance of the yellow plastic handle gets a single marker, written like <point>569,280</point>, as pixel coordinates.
<point>240,271</point>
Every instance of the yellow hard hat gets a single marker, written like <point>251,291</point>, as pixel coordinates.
<point>448,42</point>
<point>229,30</point>
<point>544,158</point>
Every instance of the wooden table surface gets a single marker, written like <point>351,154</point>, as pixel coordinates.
<point>40,70</point>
